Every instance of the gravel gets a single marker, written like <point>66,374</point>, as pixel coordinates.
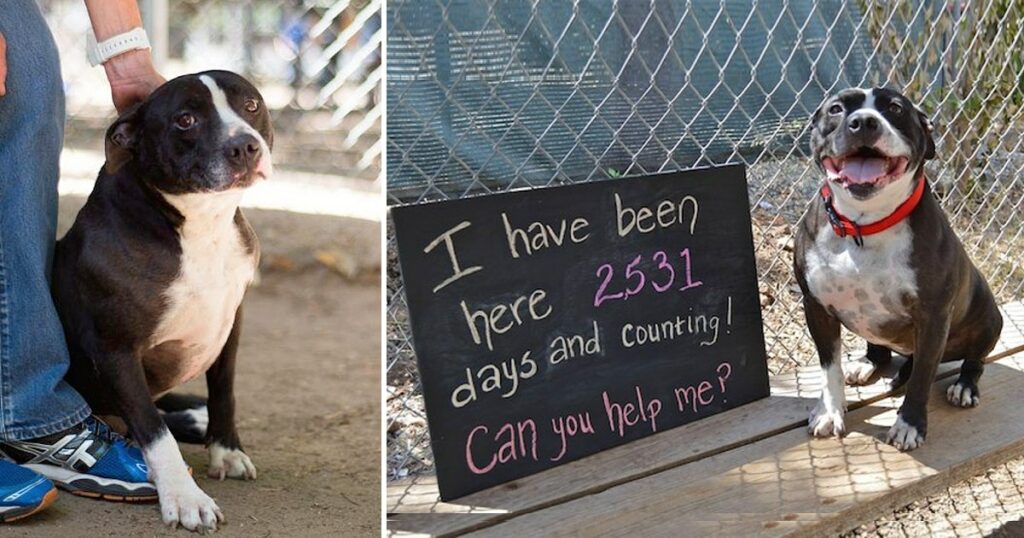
<point>989,504</point>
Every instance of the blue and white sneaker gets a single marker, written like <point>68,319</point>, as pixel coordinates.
<point>23,492</point>
<point>88,460</point>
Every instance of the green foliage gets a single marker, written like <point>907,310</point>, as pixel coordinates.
<point>966,69</point>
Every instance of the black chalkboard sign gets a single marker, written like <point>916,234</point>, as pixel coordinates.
<point>554,323</point>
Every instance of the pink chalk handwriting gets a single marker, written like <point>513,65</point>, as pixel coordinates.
<point>632,273</point>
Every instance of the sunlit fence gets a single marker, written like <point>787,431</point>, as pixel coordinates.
<point>491,96</point>
<point>317,63</point>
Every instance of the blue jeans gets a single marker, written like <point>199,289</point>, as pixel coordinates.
<point>34,398</point>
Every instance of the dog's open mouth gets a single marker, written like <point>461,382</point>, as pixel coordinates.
<point>863,167</point>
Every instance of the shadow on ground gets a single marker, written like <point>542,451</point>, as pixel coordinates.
<point>307,389</point>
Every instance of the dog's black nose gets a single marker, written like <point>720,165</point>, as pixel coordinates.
<point>862,123</point>
<point>243,151</point>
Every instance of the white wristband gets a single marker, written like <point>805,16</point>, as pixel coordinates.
<point>98,53</point>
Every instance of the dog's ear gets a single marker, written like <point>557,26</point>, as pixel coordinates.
<point>817,114</point>
<point>929,136</point>
<point>816,138</point>
<point>122,139</point>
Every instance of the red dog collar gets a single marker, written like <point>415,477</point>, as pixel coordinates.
<point>844,226</point>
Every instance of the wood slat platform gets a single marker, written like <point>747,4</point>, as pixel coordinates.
<point>750,470</point>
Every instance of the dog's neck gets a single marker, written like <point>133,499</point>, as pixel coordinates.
<point>877,207</point>
<point>204,212</point>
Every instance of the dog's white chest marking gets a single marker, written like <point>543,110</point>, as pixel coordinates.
<point>215,271</point>
<point>863,286</point>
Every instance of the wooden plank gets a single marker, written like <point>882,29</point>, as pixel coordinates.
<point>415,507</point>
<point>793,484</point>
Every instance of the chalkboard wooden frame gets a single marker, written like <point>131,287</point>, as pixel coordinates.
<point>522,372</point>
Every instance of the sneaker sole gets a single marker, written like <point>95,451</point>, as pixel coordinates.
<point>30,510</point>
<point>94,487</point>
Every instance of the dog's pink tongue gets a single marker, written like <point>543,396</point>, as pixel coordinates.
<point>863,170</point>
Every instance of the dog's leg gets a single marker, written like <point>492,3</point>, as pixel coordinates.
<point>186,417</point>
<point>827,416</point>
<point>176,403</point>
<point>903,375</point>
<point>964,391</point>
<point>227,459</point>
<point>911,425</point>
<point>181,500</point>
<point>859,371</point>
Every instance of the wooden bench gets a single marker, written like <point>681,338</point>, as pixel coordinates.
<point>750,470</point>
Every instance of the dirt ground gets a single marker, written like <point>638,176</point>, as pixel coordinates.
<point>989,504</point>
<point>307,391</point>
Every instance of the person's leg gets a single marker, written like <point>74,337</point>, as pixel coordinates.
<point>34,398</point>
<point>45,425</point>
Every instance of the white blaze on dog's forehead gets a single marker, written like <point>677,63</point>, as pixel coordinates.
<point>233,123</point>
<point>869,98</point>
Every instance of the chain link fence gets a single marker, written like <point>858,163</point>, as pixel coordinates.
<point>488,97</point>
<point>317,63</point>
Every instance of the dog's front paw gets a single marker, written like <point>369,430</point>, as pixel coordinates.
<point>963,394</point>
<point>190,507</point>
<point>825,423</point>
<point>230,462</point>
<point>859,371</point>
<point>904,435</point>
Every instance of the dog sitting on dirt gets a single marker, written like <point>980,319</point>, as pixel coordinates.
<point>876,254</point>
<point>149,280</point>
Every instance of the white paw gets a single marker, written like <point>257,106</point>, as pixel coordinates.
<point>181,500</point>
<point>904,436</point>
<point>962,396</point>
<point>200,417</point>
<point>189,506</point>
<point>859,371</point>
<point>230,462</point>
<point>824,422</point>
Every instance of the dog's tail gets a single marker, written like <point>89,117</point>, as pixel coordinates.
<point>185,416</point>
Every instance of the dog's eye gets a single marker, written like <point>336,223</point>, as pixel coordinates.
<point>252,105</point>
<point>185,121</point>
<point>895,109</point>
<point>835,109</point>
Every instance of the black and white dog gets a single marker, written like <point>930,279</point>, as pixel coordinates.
<point>149,280</point>
<point>875,253</point>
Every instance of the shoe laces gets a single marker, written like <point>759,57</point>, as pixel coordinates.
<point>103,431</point>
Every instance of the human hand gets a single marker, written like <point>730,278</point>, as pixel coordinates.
<point>3,66</point>
<point>132,78</point>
